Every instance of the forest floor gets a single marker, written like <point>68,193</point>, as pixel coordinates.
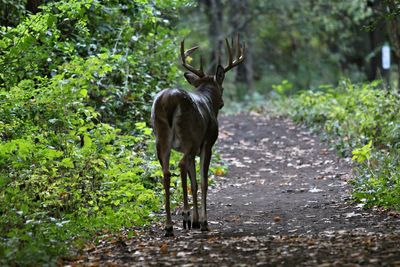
<point>284,202</point>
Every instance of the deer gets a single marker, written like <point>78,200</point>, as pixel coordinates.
<point>187,122</point>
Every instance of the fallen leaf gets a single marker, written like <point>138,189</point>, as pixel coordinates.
<point>277,218</point>
<point>164,248</point>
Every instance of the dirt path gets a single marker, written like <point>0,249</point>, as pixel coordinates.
<point>284,202</point>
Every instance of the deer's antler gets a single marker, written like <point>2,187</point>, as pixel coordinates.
<point>239,55</point>
<point>185,54</point>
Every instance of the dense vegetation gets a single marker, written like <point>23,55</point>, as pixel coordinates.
<point>76,153</point>
<point>362,121</point>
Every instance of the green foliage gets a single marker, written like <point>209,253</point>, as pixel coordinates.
<point>284,88</point>
<point>363,121</point>
<point>131,39</point>
<point>378,180</point>
<point>76,153</point>
<point>363,153</point>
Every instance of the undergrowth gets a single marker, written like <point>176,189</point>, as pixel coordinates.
<point>361,121</point>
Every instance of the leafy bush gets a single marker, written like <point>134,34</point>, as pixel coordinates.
<point>76,154</point>
<point>363,121</point>
<point>378,180</point>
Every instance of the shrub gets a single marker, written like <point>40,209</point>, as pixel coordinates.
<point>363,121</point>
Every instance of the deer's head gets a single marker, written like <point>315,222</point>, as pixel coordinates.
<point>202,81</point>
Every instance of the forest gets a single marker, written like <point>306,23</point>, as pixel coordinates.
<point>77,81</point>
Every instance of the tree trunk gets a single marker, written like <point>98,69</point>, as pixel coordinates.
<point>375,40</point>
<point>394,35</point>
<point>214,13</point>
<point>373,64</point>
<point>239,23</point>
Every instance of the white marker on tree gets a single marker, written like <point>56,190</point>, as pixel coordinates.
<point>386,56</point>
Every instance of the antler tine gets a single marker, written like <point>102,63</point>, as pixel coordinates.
<point>238,48</point>
<point>229,52</point>
<point>239,57</point>
<point>232,44</point>
<point>190,51</point>
<point>219,57</point>
<point>201,64</point>
<point>185,54</point>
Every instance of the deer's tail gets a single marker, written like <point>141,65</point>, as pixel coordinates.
<point>163,109</point>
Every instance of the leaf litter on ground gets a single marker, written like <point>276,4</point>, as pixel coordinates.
<point>284,202</point>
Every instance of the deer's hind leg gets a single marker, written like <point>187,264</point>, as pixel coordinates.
<point>205,158</point>
<point>163,145</point>
<point>193,183</point>
<point>183,164</point>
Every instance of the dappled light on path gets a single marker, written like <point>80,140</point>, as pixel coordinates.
<point>285,201</point>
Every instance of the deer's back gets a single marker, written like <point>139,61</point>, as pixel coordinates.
<point>187,117</point>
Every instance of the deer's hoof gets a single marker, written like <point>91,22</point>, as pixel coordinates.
<point>204,227</point>
<point>169,231</point>
<point>186,220</point>
<point>187,224</point>
<point>195,225</point>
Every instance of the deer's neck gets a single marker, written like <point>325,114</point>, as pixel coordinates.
<point>212,95</point>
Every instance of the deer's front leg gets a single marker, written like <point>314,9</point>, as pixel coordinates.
<point>205,159</point>
<point>193,183</point>
<point>186,211</point>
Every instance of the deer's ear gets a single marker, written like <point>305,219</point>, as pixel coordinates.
<point>191,78</point>
<point>220,75</point>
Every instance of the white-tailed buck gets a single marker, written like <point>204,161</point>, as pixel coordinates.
<point>187,122</point>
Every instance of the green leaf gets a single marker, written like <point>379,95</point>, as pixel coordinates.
<point>83,92</point>
<point>363,153</point>
<point>67,162</point>
<point>87,141</point>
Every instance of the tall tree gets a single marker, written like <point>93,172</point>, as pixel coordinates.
<point>240,23</point>
<point>387,14</point>
<point>214,12</point>
<point>393,7</point>
<point>376,39</point>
